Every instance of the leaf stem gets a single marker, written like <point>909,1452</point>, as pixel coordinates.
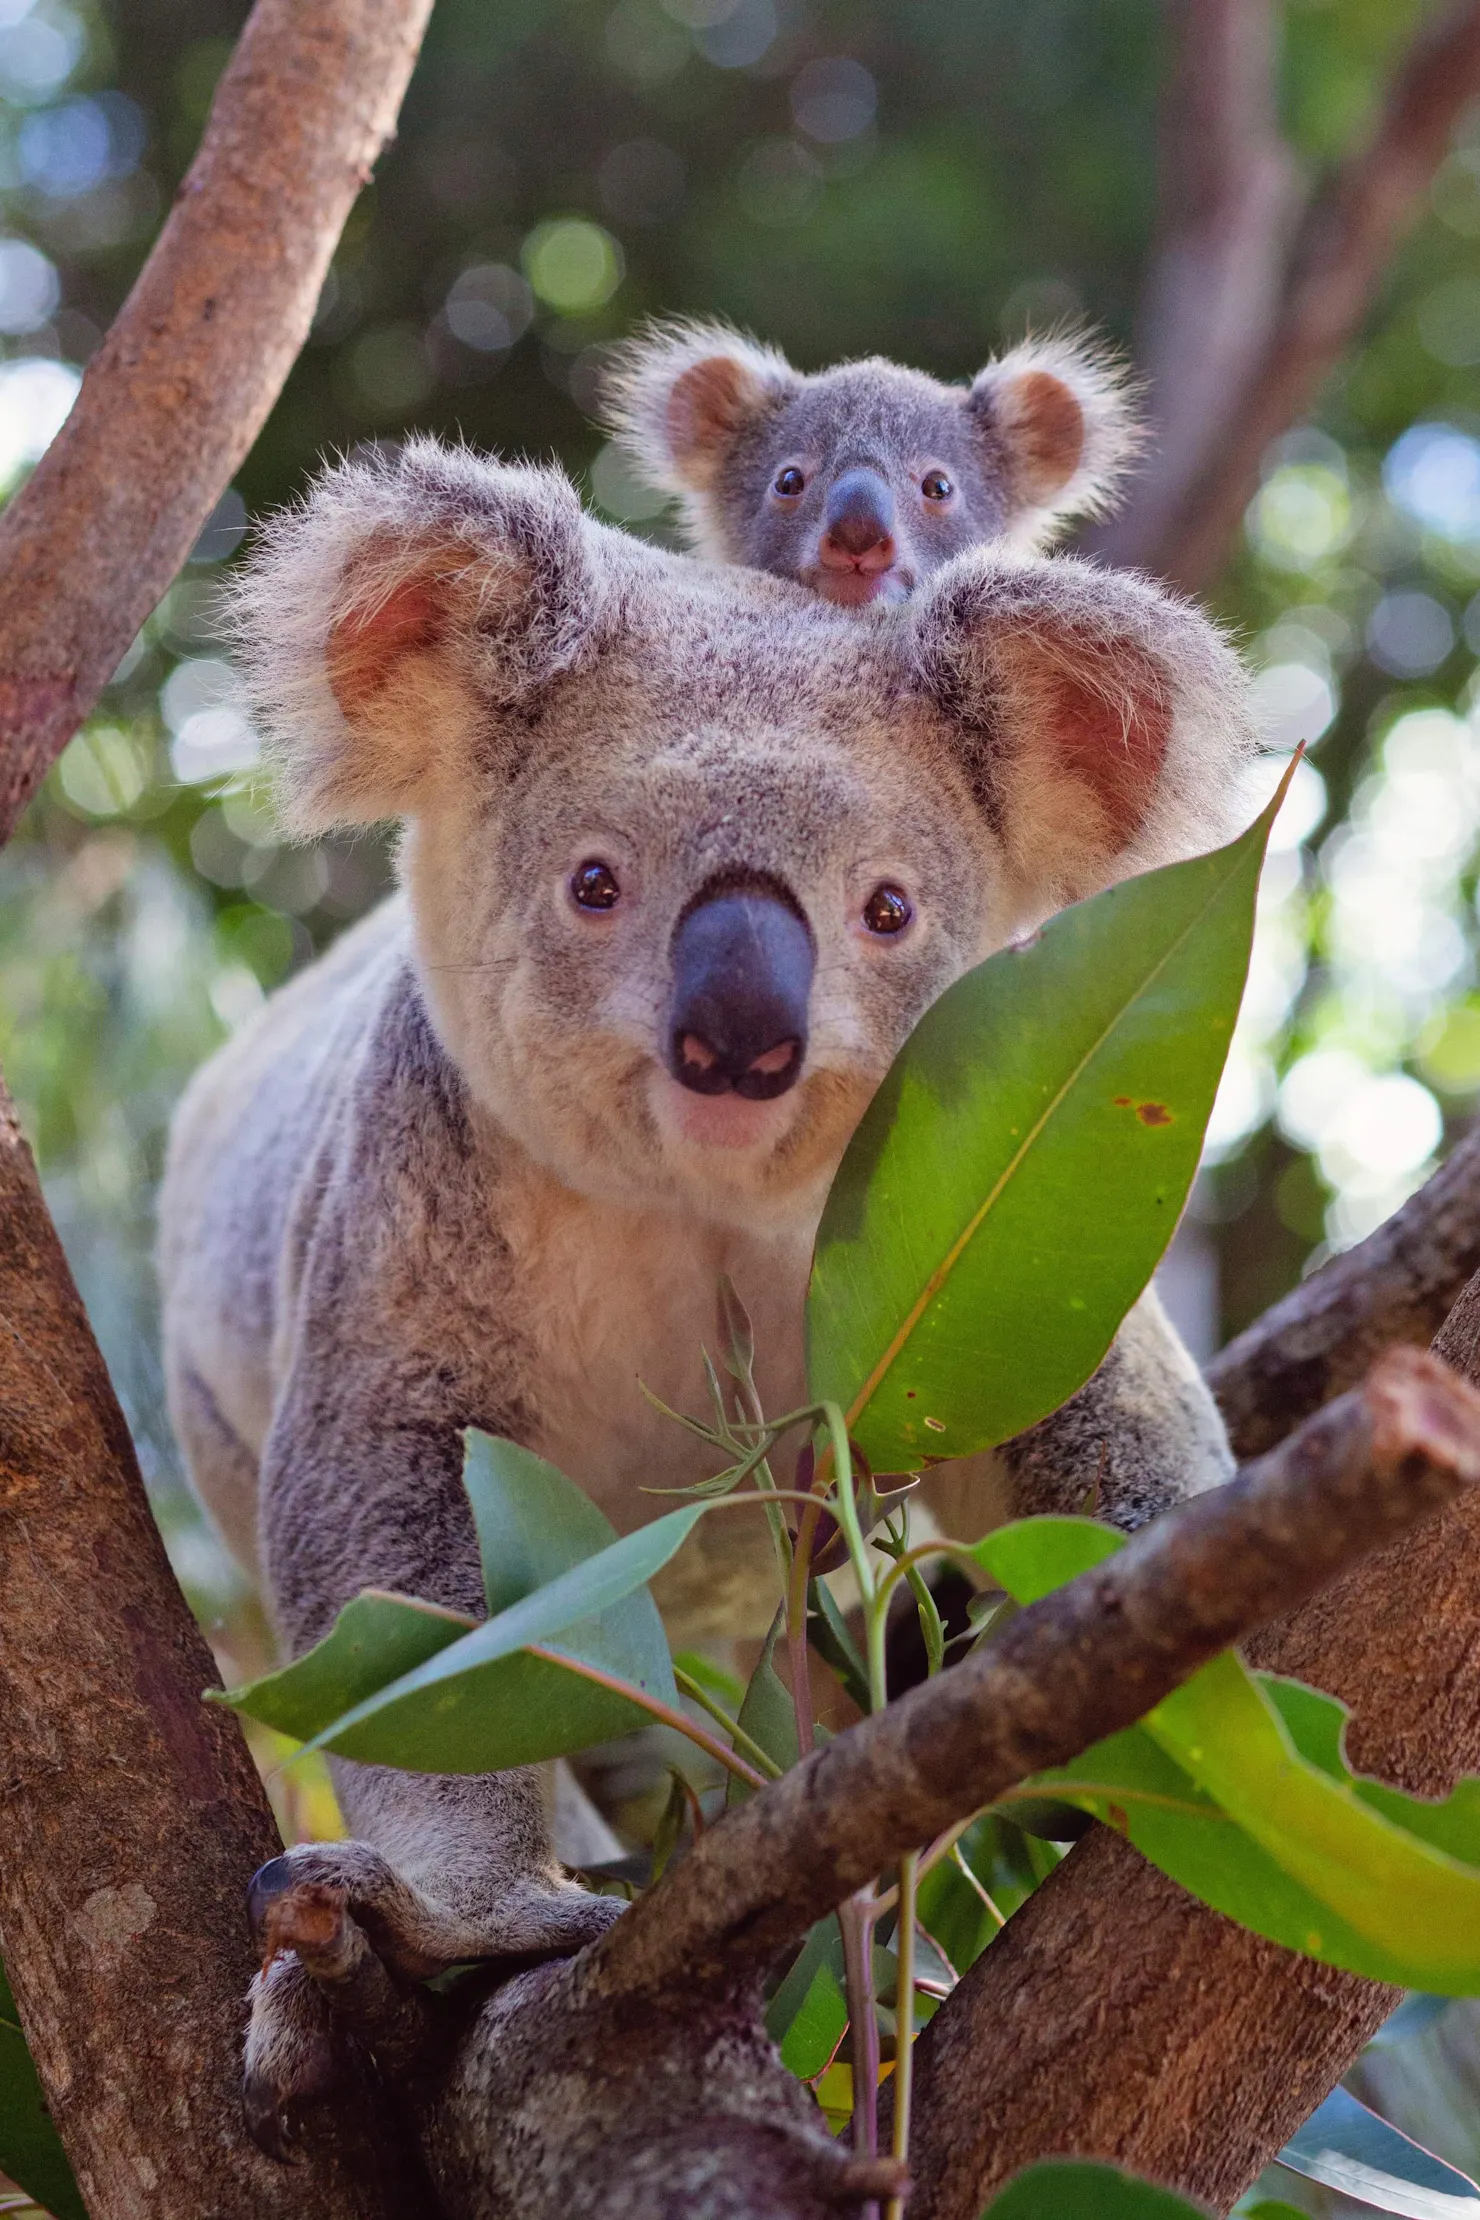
<point>856,1919</point>
<point>668,1715</point>
<point>699,1694</point>
<point>904,2019</point>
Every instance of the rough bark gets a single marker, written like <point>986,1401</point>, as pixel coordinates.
<point>681,2105</point>
<point>1397,1285</point>
<point>133,1815</point>
<point>184,380</point>
<point>1309,301</point>
<point>1116,2017</point>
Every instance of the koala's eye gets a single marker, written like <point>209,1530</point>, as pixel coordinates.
<point>887,910</point>
<point>790,482</point>
<point>936,486</point>
<point>593,886</point>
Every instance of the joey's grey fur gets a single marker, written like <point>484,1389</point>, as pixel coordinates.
<point>863,479</point>
<point>449,1175</point>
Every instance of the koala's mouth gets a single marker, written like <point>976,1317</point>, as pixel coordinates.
<point>729,1122</point>
<point>855,589</point>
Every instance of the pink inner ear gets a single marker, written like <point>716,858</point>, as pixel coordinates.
<point>1046,435</point>
<point>708,405</point>
<point>1109,722</point>
<point>365,647</point>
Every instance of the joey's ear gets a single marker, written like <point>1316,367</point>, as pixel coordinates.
<point>1058,419</point>
<point>678,397</point>
<point>385,622</point>
<point>1104,724</point>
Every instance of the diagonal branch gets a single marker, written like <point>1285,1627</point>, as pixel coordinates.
<point>1077,1666</point>
<point>1187,512</point>
<point>1397,1285</point>
<point>182,384</point>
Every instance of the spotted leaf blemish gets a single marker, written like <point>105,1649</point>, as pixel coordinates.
<point>1153,1113</point>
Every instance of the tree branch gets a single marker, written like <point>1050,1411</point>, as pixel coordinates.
<point>1397,1285</point>
<point>181,386</point>
<point>1116,2017</point>
<point>1187,511</point>
<point>133,1814</point>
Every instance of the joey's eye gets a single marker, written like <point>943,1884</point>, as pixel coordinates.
<point>790,482</point>
<point>936,486</point>
<point>887,910</point>
<point>593,885</point>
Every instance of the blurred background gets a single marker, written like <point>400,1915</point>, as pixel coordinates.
<point>925,178</point>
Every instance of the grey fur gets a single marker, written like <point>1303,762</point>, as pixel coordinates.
<point>895,420</point>
<point>444,1178</point>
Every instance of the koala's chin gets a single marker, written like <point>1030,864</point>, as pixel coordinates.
<point>747,1164</point>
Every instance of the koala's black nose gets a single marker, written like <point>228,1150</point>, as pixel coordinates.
<point>742,973</point>
<point>860,512</point>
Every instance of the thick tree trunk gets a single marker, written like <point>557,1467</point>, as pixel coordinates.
<point>133,1816</point>
<point>1116,2017</point>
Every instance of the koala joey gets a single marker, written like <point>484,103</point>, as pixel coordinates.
<point>862,480</point>
<point>686,854</point>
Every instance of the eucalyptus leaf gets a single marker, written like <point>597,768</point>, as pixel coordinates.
<point>768,1714</point>
<point>532,1522</point>
<point>1346,2147</point>
<point>1018,1175</point>
<point>564,1667</point>
<point>30,2149</point>
<point>1236,1786</point>
<point>1084,2189</point>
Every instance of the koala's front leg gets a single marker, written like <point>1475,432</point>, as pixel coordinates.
<point>1142,1433</point>
<point>444,1868</point>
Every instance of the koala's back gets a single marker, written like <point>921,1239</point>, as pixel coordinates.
<point>243,1140</point>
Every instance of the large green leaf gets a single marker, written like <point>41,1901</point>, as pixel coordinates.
<point>1083,2189</point>
<point>1015,1180</point>
<point>533,1523</point>
<point>1236,1786</point>
<point>560,1669</point>
<point>30,2148</point>
<point>1347,2148</point>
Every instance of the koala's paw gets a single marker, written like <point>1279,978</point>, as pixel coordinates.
<point>345,1943</point>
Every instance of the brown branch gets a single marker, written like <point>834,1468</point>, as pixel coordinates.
<point>133,1816</point>
<point>1079,1665</point>
<point>200,350</point>
<point>1118,2018</point>
<point>1187,513</point>
<point>1397,1285</point>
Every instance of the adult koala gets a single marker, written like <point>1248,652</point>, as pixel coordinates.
<point>688,851</point>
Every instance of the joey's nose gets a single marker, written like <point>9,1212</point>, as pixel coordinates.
<point>858,519</point>
<point>742,973</point>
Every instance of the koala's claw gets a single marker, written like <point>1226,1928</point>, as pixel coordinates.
<point>345,1944</point>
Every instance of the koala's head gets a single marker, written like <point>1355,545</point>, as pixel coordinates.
<point>689,851</point>
<point>862,480</point>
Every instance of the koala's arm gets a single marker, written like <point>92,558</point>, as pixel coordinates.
<point>361,1487</point>
<point>1142,1433</point>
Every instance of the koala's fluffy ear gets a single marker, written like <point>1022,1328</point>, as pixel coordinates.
<point>678,397</point>
<point>1104,724</point>
<point>1058,417</point>
<point>385,622</point>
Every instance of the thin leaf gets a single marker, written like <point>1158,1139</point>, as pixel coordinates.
<point>1349,2149</point>
<point>1015,1180</point>
<point>533,1523</point>
<point>827,1631</point>
<point>768,1715</point>
<point>30,2149</point>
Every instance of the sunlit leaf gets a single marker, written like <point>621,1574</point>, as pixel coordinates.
<point>1347,2148</point>
<point>1014,1182</point>
<point>30,2149</point>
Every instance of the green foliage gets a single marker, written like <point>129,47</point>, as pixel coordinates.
<point>398,1682</point>
<point>1083,2189</point>
<point>1235,1786</point>
<point>962,1289</point>
<point>30,2148</point>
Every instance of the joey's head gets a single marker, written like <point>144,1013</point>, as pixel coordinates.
<point>863,480</point>
<point>689,852</point>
